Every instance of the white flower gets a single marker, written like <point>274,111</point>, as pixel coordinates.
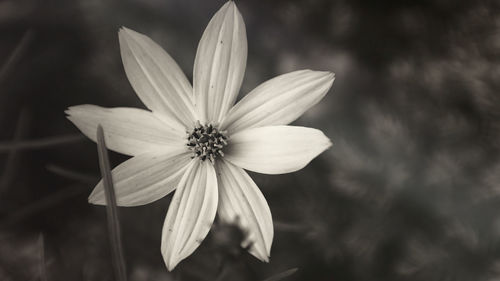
<point>206,165</point>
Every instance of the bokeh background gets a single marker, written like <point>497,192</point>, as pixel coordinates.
<point>409,190</point>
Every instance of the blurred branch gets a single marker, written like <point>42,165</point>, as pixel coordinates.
<point>222,272</point>
<point>41,205</point>
<point>11,164</point>
<point>8,268</point>
<point>41,246</point>
<point>39,143</point>
<point>290,227</point>
<point>282,275</point>
<point>16,55</point>
<point>111,209</point>
<point>70,174</point>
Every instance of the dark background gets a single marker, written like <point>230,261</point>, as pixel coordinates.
<point>408,191</point>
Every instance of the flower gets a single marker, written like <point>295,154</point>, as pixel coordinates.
<point>206,166</point>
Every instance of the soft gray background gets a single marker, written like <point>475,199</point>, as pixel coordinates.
<point>408,191</point>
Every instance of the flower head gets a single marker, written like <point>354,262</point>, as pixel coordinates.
<point>195,140</point>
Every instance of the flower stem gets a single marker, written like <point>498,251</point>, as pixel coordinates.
<point>111,209</point>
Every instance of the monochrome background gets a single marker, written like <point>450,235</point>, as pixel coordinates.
<point>408,191</point>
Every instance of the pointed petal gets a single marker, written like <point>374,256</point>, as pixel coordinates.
<point>279,101</point>
<point>275,149</point>
<point>240,201</point>
<point>129,131</point>
<point>144,178</point>
<point>220,64</point>
<point>191,212</point>
<point>156,77</point>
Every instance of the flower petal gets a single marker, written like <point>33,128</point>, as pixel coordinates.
<point>220,64</point>
<point>241,202</point>
<point>144,178</point>
<point>129,131</point>
<point>191,212</point>
<point>279,101</point>
<point>156,77</point>
<point>275,149</point>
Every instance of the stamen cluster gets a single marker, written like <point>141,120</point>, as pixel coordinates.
<point>206,142</point>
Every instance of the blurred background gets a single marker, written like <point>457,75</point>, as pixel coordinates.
<point>408,191</point>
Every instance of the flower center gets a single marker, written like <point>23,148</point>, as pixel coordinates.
<point>206,142</point>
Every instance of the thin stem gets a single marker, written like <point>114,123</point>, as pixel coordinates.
<point>111,209</point>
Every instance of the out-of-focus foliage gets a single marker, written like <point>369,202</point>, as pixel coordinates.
<point>409,190</point>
